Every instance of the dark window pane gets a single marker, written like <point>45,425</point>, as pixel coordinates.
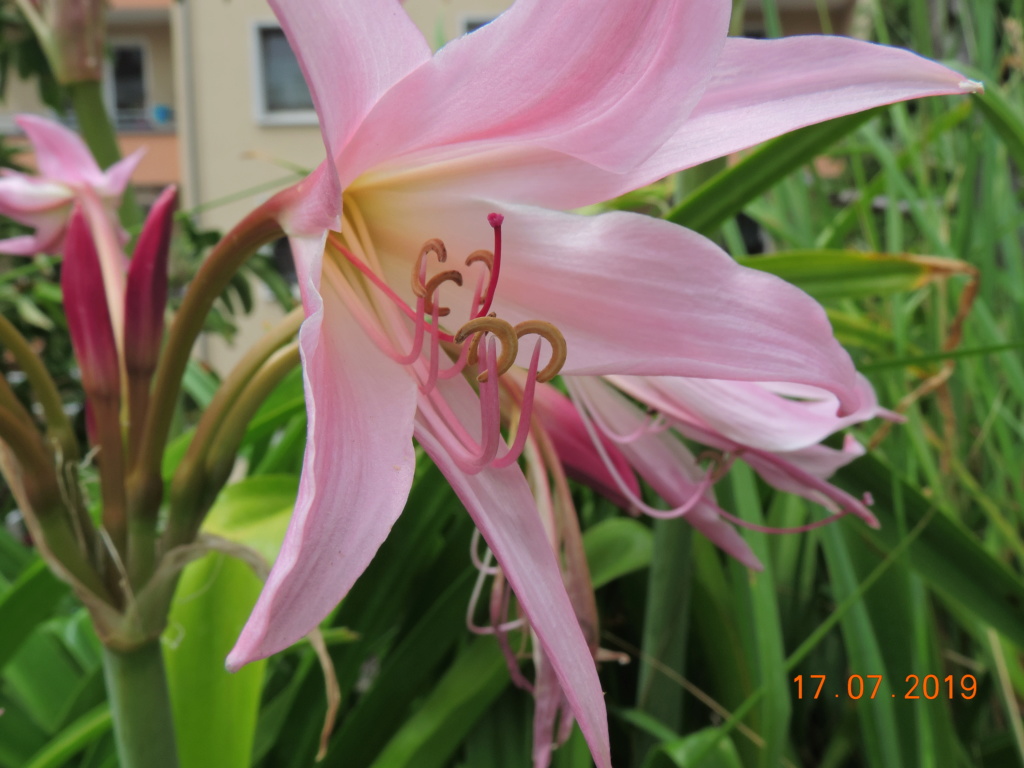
<point>472,25</point>
<point>129,81</point>
<point>283,85</point>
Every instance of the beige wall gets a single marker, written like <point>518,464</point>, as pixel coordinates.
<point>231,151</point>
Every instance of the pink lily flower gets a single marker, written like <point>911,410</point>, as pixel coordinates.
<point>68,174</point>
<point>553,106</point>
<point>67,171</point>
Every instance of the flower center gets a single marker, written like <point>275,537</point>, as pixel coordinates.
<point>484,341</point>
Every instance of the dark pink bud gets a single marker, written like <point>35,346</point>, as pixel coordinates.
<point>92,335</point>
<point>146,297</point>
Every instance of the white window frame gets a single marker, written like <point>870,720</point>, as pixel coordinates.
<point>263,115</point>
<point>109,93</point>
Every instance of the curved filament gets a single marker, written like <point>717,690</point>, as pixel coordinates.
<point>586,414</point>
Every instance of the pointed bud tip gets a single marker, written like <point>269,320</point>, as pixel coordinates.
<point>971,86</point>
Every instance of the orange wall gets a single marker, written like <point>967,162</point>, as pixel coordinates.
<point>161,163</point>
<point>136,4</point>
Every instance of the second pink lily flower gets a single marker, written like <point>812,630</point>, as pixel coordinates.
<point>555,105</point>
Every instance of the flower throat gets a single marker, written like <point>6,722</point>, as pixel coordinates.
<point>474,343</point>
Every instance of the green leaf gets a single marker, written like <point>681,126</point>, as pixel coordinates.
<point>430,737</point>
<point>717,751</point>
<point>878,720</point>
<point>43,677</point>
<point>946,555</point>
<point>725,195</point>
<point>665,628</point>
<point>216,712</point>
<point>29,601</point>
<point>615,547</point>
<point>199,384</point>
<point>73,739</point>
<point>405,673</point>
<point>1004,117</point>
<point>32,314</point>
<point>255,512</point>
<point>761,633</point>
<point>842,274</point>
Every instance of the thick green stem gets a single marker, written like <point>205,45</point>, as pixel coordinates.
<point>101,138</point>
<point>191,480</point>
<point>106,412</point>
<point>94,122</point>
<point>185,519</point>
<point>141,707</point>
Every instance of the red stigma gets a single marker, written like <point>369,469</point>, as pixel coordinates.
<point>495,219</point>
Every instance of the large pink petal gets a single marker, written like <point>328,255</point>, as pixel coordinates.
<point>21,196</point>
<point>502,507</point>
<point>758,90</point>
<point>351,52</point>
<point>749,413</point>
<point>803,472</point>
<point>764,88</point>
<point>117,176</point>
<point>30,245</point>
<point>631,294</point>
<point>60,154</point>
<point>356,475</point>
<point>604,82</point>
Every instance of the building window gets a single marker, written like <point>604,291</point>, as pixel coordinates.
<point>125,85</point>
<point>474,23</point>
<point>282,96</point>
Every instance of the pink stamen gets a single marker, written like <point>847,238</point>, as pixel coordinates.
<point>383,286</point>
<point>474,600</point>
<point>474,555</point>
<point>471,457</point>
<point>458,365</point>
<point>656,423</point>
<point>525,411</point>
<point>495,220</point>
<point>500,594</point>
<point>435,346</point>
<point>584,410</point>
<point>490,407</point>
